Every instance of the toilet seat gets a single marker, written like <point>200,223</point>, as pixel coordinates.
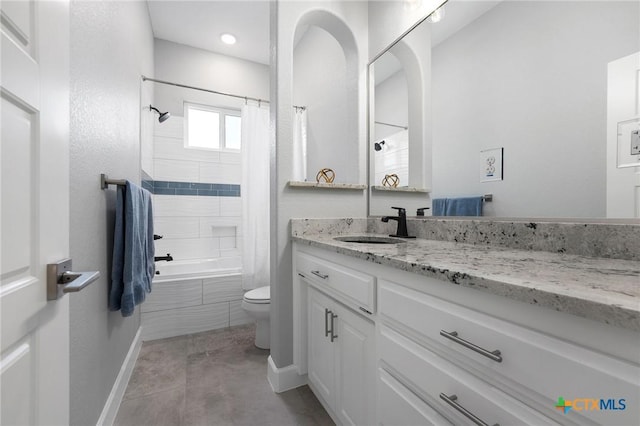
<point>260,295</point>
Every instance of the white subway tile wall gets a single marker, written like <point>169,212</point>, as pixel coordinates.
<point>197,221</point>
<point>195,226</point>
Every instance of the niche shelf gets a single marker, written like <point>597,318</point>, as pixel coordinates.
<point>400,189</point>
<point>343,186</point>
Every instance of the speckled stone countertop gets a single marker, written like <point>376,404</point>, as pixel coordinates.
<point>604,290</point>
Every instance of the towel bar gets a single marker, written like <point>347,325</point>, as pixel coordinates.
<point>487,198</point>
<point>105,181</point>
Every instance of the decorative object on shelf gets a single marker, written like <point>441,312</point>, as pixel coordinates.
<point>327,175</point>
<point>391,180</point>
<point>491,165</point>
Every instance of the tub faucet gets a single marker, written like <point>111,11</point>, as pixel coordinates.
<point>402,223</point>
<point>168,258</point>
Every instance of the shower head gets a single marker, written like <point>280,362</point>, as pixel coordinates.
<point>378,145</point>
<point>163,115</point>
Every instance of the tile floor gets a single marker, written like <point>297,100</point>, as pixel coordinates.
<point>211,378</point>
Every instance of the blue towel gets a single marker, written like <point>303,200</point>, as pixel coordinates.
<point>466,206</point>
<point>438,206</point>
<point>133,266</point>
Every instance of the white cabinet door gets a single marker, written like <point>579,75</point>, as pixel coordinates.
<point>355,371</point>
<point>321,370</point>
<point>34,211</point>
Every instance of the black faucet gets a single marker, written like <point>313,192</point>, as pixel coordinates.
<point>402,223</point>
<point>168,258</point>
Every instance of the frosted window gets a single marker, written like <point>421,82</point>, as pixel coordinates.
<point>232,132</point>
<point>203,129</point>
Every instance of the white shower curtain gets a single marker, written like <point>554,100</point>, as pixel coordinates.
<point>300,145</point>
<point>255,196</point>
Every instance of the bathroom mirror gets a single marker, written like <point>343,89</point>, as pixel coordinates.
<point>538,86</point>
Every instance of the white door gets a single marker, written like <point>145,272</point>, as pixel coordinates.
<point>34,211</point>
<point>623,106</point>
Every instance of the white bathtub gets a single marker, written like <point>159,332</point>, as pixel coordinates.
<point>196,269</point>
<point>191,296</point>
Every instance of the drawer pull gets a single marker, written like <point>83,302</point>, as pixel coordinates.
<point>333,336</point>
<point>326,322</point>
<point>299,274</point>
<point>451,400</point>
<point>494,355</point>
<point>318,274</point>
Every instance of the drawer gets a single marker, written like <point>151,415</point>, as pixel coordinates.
<point>356,287</point>
<point>398,406</point>
<point>434,376</point>
<point>547,366</point>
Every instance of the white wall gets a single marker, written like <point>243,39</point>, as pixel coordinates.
<point>550,119</point>
<point>287,203</point>
<point>182,64</point>
<point>111,46</point>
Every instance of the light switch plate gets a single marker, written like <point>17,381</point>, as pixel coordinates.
<point>635,142</point>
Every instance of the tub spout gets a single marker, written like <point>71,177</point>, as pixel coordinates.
<point>168,258</point>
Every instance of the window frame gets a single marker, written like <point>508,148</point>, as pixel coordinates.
<point>222,114</point>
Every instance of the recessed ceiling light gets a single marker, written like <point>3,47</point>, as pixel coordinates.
<point>228,38</point>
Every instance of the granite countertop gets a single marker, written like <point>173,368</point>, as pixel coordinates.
<point>604,290</point>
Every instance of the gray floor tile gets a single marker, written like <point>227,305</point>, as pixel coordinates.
<point>165,408</point>
<point>161,365</point>
<point>223,380</point>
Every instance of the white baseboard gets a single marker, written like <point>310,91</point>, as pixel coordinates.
<point>283,379</point>
<point>112,405</point>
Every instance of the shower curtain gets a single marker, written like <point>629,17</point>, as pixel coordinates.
<point>300,145</point>
<point>255,196</point>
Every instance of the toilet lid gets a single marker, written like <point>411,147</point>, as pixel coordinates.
<point>259,295</point>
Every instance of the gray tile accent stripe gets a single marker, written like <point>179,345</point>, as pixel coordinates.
<point>161,187</point>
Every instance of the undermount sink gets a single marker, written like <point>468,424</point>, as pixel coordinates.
<point>368,239</point>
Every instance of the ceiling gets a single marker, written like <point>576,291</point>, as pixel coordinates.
<point>200,23</point>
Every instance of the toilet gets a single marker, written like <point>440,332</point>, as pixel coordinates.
<point>257,303</point>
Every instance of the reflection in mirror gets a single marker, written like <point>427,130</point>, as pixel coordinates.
<point>546,85</point>
<point>401,134</point>
<point>391,133</point>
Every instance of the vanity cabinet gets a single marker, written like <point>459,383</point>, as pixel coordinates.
<point>424,351</point>
<point>341,358</point>
<point>340,337</point>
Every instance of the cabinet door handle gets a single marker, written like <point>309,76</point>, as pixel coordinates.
<point>326,322</point>
<point>333,336</point>
<point>453,335</point>
<point>320,275</point>
<point>451,400</point>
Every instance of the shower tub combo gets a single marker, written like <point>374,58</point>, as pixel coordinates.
<point>191,296</point>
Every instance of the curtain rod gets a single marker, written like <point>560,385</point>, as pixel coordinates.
<point>391,125</point>
<point>144,78</point>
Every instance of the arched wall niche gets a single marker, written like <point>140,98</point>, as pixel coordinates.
<point>326,81</point>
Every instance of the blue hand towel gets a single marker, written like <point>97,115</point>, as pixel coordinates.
<point>465,206</point>
<point>438,206</point>
<point>133,266</point>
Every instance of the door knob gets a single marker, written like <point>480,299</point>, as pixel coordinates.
<point>61,279</point>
